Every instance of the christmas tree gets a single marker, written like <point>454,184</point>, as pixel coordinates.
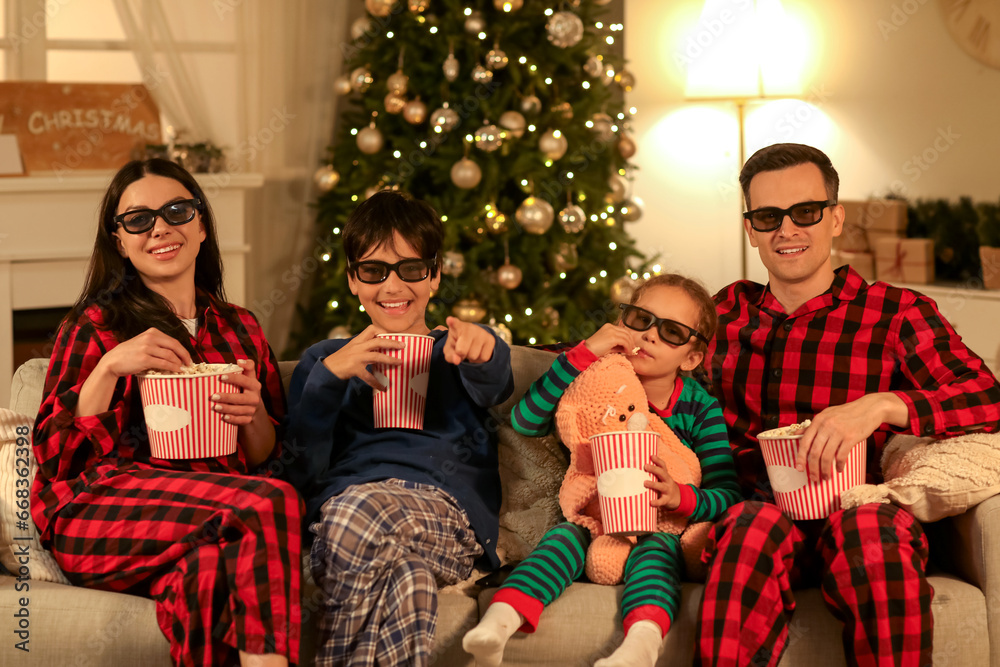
<point>510,118</point>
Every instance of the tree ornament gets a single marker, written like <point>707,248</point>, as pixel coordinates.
<point>379,7</point>
<point>466,174</point>
<point>370,140</point>
<point>487,138</point>
<point>626,146</point>
<point>444,119</point>
<point>626,80</point>
<point>509,276</point>
<point>565,257</point>
<point>550,317</point>
<point>563,109</point>
<point>450,67</point>
<point>513,122</point>
<point>553,144</point>
<point>361,78</point>
<point>468,310</point>
<point>631,209</point>
<point>618,187</point>
<point>601,3</point>
<point>415,112</point>
<point>601,124</point>
<point>475,23</point>
<point>496,58</point>
<point>339,331</point>
<point>394,103</point>
<point>342,85</point>
<point>572,218</point>
<point>326,178</point>
<point>502,331</point>
<point>418,6</point>
<point>535,215</point>
<point>594,66</point>
<point>397,82</point>
<point>496,221</point>
<point>622,289</point>
<point>452,263</point>
<point>476,232</point>
<point>565,29</point>
<point>530,104</point>
<point>481,75</point>
<point>508,5</point>
<point>362,26</point>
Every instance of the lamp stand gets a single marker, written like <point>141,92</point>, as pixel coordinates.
<point>740,116</point>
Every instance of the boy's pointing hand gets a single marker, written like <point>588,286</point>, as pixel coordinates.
<point>467,342</point>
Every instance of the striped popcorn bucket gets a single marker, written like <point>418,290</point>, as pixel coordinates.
<point>401,405</point>
<point>179,416</point>
<point>798,497</point>
<point>619,458</point>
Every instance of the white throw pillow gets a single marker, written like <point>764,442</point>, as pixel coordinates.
<point>20,550</point>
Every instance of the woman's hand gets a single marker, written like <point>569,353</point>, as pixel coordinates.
<point>610,338</point>
<point>240,407</point>
<point>363,350</point>
<point>669,493</point>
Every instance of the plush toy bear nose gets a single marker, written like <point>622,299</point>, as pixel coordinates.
<point>638,422</point>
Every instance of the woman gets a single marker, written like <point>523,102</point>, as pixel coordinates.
<point>216,547</point>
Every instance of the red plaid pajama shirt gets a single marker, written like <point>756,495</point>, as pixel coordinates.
<point>771,369</point>
<point>218,549</point>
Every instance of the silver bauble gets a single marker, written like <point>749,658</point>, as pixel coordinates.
<point>631,209</point>
<point>509,276</point>
<point>342,85</point>
<point>487,138</point>
<point>496,58</point>
<point>572,218</point>
<point>496,221</point>
<point>594,66</point>
<point>415,112</point>
<point>564,257</point>
<point>361,78</point>
<point>622,289</point>
<point>397,82</point>
<point>530,104</point>
<point>535,215</point>
<point>602,126</point>
<point>339,331</point>
<point>475,23</point>
<point>379,7</point>
<point>468,310</point>
<point>444,119</point>
<point>553,144</point>
<point>394,103</point>
<point>370,140</point>
<point>450,67</point>
<point>564,109</point>
<point>418,6</point>
<point>481,75</point>
<point>452,263</point>
<point>565,29</point>
<point>326,178</point>
<point>626,146</point>
<point>626,80</point>
<point>362,26</point>
<point>618,187</point>
<point>513,122</point>
<point>466,174</point>
<point>502,331</point>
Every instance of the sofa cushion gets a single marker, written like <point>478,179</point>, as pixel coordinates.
<point>26,386</point>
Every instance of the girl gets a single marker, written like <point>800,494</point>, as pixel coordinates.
<point>217,548</point>
<point>664,331</point>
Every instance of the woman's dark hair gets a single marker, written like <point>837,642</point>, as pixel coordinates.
<point>708,318</point>
<point>782,156</point>
<point>127,305</point>
<point>374,222</point>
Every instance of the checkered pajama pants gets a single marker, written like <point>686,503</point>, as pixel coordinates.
<point>652,576</point>
<point>870,563</point>
<point>220,554</point>
<point>381,551</point>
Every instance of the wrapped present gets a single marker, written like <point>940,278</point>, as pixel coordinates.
<point>905,260</point>
<point>862,262</point>
<point>880,215</point>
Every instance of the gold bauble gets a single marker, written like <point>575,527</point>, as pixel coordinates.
<point>622,289</point>
<point>496,221</point>
<point>553,144</point>
<point>379,7</point>
<point>418,6</point>
<point>466,174</point>
<point>394,103</point>
<point>444,119</point>
<point>397,82</point>
<point>362,26</point>
<point>468,310</point>
<point>361,78</point>
<point>450,67</point>
<point>342,85</point>
<point>502,331</point>
<point>565,29</point>
<point>601,124</point>
<point>618,187</point>
<point>487,138</point>
<point>481,75</point>
<point>565,257</point>
<point>508,5</point>
<point>631,209</point>
<point>535,215</point>
<point>370,140</point>
<point>530,104</point>
<point>415,112</point>
<point>572,218</point>
<point>550,317</point>
<point>626,80</point>
<point>513,122</point>
<point>509,276</point>
<point>339,331</point>
<point>452,263</point>
<point>475,232</point>
<point>496,58</point>
<point>626,146</point>
<point>326,178</point>
<point>475,23</point>
<point>594,66</point>
<point>564,109</point>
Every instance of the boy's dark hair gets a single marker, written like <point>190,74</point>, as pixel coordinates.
<point>708,318</point>
<point>374,222</point>
<point>783,156</point>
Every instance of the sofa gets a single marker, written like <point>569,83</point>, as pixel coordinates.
<point>76,626</point>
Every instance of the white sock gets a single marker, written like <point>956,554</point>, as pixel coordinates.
<point>641,647</point>
<point>486,640</point>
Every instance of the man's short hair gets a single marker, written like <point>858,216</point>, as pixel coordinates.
<point>782,156</point>
<point>374,222</point>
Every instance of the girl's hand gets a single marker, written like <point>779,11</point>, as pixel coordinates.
<point>150,350</point>
<point>610,338</point>
<point>467,342</point>
<point>363,350</point>
<point>670,493</point>
<point>240,407</point>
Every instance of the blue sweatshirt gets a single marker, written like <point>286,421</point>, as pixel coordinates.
<point>331,428</point>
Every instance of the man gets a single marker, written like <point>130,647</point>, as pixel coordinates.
<point>862,362</point>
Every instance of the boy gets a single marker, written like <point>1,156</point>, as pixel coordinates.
<point>395,512</point>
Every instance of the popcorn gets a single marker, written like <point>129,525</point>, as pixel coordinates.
<point>635,350</point>
<point>200,368</point>
<point>786,431</point>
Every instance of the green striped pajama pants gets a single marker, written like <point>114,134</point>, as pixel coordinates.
<point>652,576</point>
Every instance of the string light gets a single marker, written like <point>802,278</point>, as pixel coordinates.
<point>611,209</point>
<point>531,341</point>
<point>336,230</point>
<point>522,60</point>
<point>444,218</point>
<point>326,257</point>
<point>633,110</point>
<point>634,276</point>
<point>613,246</point>
<point>562,275</point>
<point>354,130</point>
<point>645,276</point>
<point>527,311</point>
<point>481,35</point>
<point>389,34</point>
<point>361,308</point>
<point>548,12</point>
<point>354,198</point>
<point>548,80</point>
<point>657,268</point>
<point>609,39</point>
<point>508,318</point>
<point>548,163</point>
<point>531,128</point>
<point>468,11</point>
<point>589,123</point>
<point>586,86</point>
<point>524,182</point>
<point>397,154</point>
<point>593,218</point>
<point>434,29</point>
<point>533,68</point>
<point>423,144</point>
<point>334,304</point>
<point>569,174</point>
<point>593,280</point>
<point>599,25</point>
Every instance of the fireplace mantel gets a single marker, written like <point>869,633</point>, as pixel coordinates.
<point>47,226</point>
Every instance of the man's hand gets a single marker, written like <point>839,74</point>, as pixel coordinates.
<point>363,350</point>
<point>669,493</point>
<point>837,429</point>
<point>467,342</point>
<point>610,338</point>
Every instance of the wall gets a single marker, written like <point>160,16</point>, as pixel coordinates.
<point>888,95</point>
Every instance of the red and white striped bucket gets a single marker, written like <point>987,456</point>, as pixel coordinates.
<point>179,416</point>
<point>402,404</point>
<point>619,458</point>
<point>797,497</point>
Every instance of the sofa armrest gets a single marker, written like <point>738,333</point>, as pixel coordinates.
<point>973,546</point>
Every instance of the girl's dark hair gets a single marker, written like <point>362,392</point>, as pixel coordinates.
<point>782,156</point>
<point>374,222</point>
<point>708,318</point>
<point>127,305</point>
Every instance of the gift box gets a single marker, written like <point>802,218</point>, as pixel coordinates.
<point>865,222</point>
<point>862,262</point>
<point>905,260</point>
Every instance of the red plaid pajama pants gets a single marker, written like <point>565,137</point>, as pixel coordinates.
<point>870,563</point>
<point>220,554</point>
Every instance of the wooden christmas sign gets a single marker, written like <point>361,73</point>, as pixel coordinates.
<point>62,127</point>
